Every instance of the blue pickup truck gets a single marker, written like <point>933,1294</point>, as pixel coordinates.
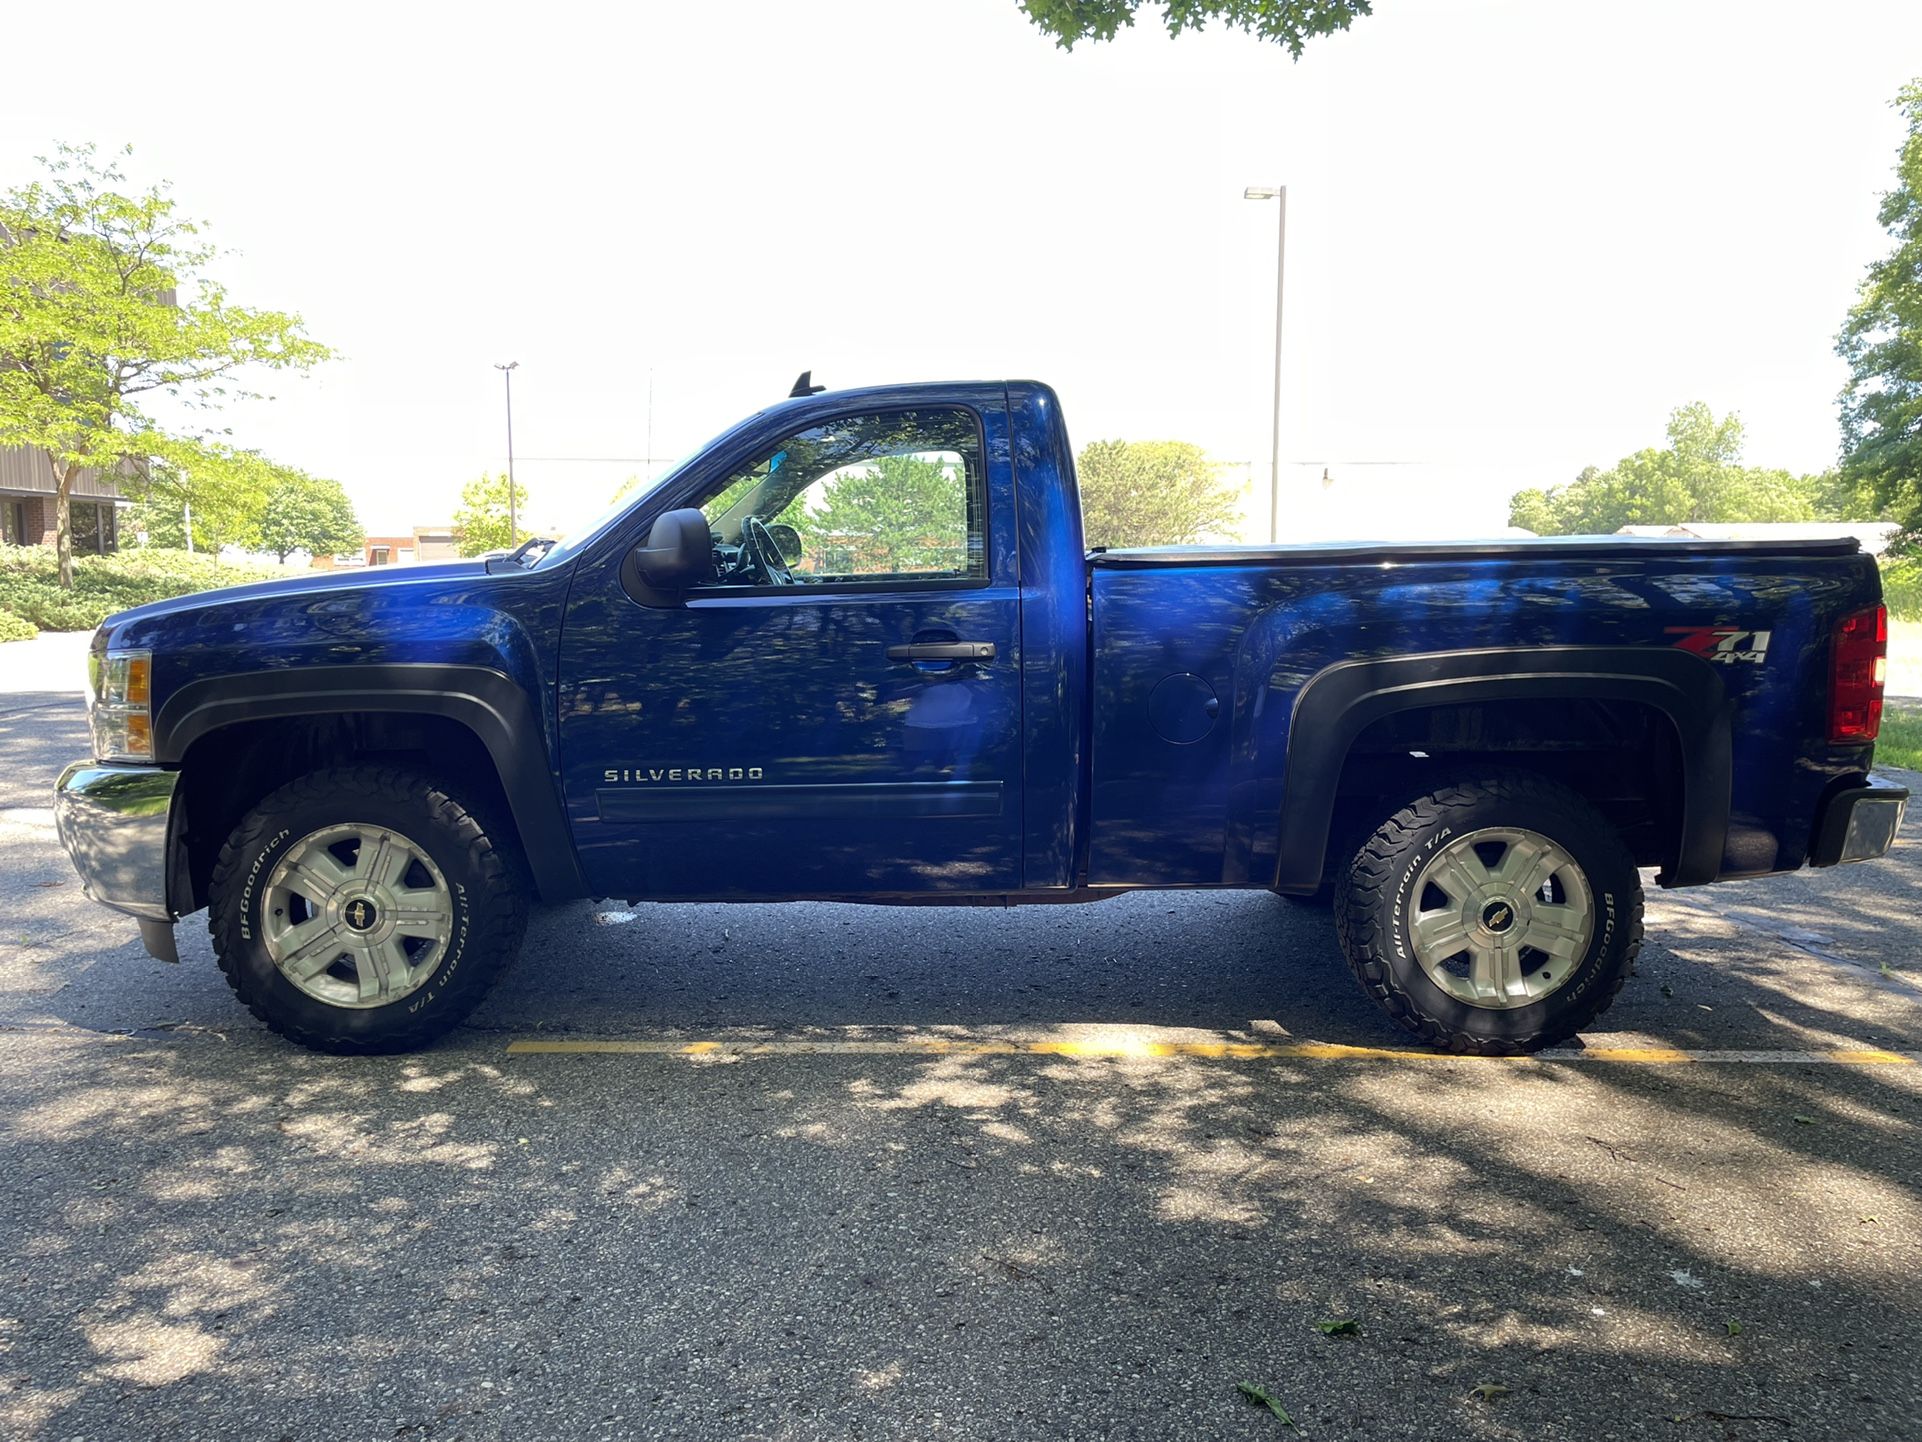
<point>855,649</point>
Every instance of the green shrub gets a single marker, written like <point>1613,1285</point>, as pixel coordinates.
<point>1901,740</point>
<point>30,583</point>
<point>13,628</point>
<point>1902,587</point>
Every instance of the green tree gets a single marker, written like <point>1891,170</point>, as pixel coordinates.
<point>891,513</point>
<point>1152,493</point>
<point>1838,496</point>
<point>311,514</point>
<point>162,520</point>
<point>224,489</point>
<point>1881,342</point>
<point>1533,511</point>
<point>1698,476</point>
<point>1286,22</point>
<point>105,302</point>
<point>480,521</point>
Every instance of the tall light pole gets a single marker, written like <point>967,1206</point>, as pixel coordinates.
<point>1276,193</point>
<point>507,374</point>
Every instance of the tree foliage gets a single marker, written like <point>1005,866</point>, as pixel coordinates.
<point>311,514</point>
<point>1153,493</point>
<point>1285,22</point>
<point>891,514</point>
<point>1697,476</point>
<point>237,498</point>
<point>160,520</point>
<point>106,304</point>
<point>1881,342</point>
<point>480,521</point>
<point>226,491</point>
<point>1835,495</point>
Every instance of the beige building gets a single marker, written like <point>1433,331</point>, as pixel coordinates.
<point>27,504</point>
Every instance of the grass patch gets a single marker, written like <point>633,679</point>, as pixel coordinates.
<point>30,588</point>
<point>1901,740</point>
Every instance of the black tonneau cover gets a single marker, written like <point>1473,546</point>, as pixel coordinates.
<point>1533,548</point>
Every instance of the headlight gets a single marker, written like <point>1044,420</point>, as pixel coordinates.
<point>120,707</point>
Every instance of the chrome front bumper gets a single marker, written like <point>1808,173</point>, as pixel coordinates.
<point>115,822</point>
<point>1859,824</point>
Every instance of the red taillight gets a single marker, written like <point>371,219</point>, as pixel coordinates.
<point>1856,681</point>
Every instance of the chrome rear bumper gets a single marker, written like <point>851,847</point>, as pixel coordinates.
<point>115,822</point>
<point>1859,824</point>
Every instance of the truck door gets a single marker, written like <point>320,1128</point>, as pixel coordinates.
<point>838,711</point>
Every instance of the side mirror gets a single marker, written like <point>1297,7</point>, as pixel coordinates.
<point>787,540</point>
<point>679,551</point>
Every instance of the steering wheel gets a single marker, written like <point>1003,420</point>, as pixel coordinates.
<point>767,555</point>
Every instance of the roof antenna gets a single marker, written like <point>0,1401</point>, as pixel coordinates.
<point>804,386</point>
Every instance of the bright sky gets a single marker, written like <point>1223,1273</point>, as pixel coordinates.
<point>1519,233</point>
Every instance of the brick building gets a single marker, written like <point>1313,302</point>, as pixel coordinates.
<point>27,504</point>
<point>423,545</point>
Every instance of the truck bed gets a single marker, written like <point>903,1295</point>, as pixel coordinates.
<point>1200,653</point>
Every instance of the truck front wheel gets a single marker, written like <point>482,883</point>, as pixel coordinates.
<point>1493,916</point>
<point>365,909</point>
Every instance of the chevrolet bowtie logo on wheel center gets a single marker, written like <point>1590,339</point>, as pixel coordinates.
<point>360,914</point>
<point>1498,916</point>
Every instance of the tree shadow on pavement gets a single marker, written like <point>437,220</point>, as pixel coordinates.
<point>1015,1245</point>
<point>207,1232</point>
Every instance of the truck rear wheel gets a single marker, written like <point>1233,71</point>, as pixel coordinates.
<point>365,909</point>
<point>1493,916</point>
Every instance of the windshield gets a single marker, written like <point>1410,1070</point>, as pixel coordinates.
<point>621,504</point>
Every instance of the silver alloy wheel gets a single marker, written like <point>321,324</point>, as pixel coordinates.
<point>356,915</point>
<point>1501,917</point>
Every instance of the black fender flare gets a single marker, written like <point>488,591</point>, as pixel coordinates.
<point>489,703</point>
<point>1340,701</point>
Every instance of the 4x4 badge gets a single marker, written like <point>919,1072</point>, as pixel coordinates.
<point>1724,644</point>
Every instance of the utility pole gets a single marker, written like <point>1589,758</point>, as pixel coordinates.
<point>1276,193</point>
<point>513,525</point>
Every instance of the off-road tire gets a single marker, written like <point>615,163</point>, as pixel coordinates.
<point>483,868</point>
<point>1372,911</point>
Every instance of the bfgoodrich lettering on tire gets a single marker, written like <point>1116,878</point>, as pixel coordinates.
<point>1492,916</point>
<point>365,909</point>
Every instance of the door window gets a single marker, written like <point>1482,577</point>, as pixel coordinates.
<point>85,516</point>
<point>892,497</point>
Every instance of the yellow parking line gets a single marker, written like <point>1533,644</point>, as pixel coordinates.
<point>1224,1049</point>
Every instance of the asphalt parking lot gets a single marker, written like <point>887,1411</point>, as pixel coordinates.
<point>1058,1172</point>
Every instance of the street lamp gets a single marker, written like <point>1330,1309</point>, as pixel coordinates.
<point>507,374</point>
<point>1280,193</point>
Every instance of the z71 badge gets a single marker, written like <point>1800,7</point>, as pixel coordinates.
<point>1724,644</point>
